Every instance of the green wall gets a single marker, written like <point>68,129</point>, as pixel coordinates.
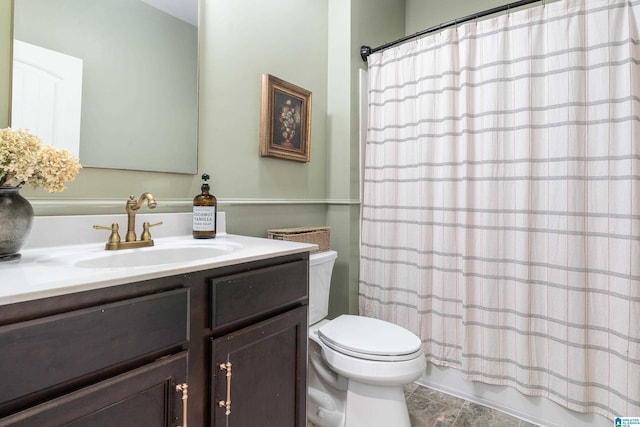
<point>424,14</point>
<point>241,40</point>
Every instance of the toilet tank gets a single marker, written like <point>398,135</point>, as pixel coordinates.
<point>320,269</point>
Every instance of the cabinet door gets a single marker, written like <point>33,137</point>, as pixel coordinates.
<point>267,386</point>
<point>146,396</point>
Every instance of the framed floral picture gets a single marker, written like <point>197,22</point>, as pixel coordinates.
<point>285,120</point>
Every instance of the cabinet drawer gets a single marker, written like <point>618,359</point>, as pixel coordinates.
<point>239,297</point>
<point>45,352</point>
<point>145,396</point>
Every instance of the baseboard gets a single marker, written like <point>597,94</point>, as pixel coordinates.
<point>536,410</point>
<point>483,402</point>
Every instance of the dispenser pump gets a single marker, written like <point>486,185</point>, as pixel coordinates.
<point>204,212</point>
<point>205,186</point>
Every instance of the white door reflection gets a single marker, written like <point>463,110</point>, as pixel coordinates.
<point>47,95</point>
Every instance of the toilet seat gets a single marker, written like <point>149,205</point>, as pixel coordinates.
<point>387,373</point>
<point>370,339</point>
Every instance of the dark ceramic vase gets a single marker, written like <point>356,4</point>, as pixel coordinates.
<point>16,216</point>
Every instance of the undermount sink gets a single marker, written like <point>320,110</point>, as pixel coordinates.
<point>142,257</point>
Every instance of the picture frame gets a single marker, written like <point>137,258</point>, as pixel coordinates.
<point>285,120</point>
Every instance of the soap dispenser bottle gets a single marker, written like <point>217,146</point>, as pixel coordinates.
<point>204,212</point>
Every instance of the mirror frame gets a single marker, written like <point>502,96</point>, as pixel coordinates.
<point>6,52</point>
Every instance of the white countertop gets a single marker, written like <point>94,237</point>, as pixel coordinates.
<point>49,271</point>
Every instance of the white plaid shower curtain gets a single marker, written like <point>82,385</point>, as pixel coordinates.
<point>501,204</point>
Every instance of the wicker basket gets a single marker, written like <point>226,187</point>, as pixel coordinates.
<point>320,236</point>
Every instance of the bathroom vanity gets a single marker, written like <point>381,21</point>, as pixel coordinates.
<point>218,342</point>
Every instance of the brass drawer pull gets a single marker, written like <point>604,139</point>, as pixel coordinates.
<point>222,403</point>
<point>185,397</point>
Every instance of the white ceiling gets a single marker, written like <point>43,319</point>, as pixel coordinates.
<point>187,10</point>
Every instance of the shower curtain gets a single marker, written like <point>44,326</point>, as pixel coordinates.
<point>501,201</point>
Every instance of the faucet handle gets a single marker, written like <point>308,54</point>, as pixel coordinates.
<point>146,235</point>
<point>115,236</point>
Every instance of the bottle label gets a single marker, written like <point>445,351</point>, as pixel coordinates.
<point>204,218</point>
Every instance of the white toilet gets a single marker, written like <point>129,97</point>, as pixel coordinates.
<point>357,365</point>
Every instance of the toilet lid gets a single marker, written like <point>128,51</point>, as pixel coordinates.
<point>369,338</point>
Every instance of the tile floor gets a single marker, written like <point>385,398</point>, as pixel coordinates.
<point>430,408</point>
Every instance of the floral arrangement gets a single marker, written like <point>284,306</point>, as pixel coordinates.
<point>24,159</point>
<point>289,119</point>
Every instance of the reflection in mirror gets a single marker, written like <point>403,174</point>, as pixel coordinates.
<point>113,80</point>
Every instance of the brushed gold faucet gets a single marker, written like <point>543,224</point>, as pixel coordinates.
<point>132,207</point>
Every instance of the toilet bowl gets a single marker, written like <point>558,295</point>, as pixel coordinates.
<point>357,365</point>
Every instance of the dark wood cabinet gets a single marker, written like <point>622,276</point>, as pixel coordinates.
<point>259,328</point>
<point>121,355</point>
<point>267,384</point>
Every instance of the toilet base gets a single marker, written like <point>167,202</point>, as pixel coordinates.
<point>327,392</point>
<point>364,406</point>
<point>323,410</point>
<point>372,406</point>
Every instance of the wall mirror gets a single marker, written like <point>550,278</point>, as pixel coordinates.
<point>118,84</point>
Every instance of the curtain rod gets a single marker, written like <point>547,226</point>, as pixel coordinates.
<point>365,51</point>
